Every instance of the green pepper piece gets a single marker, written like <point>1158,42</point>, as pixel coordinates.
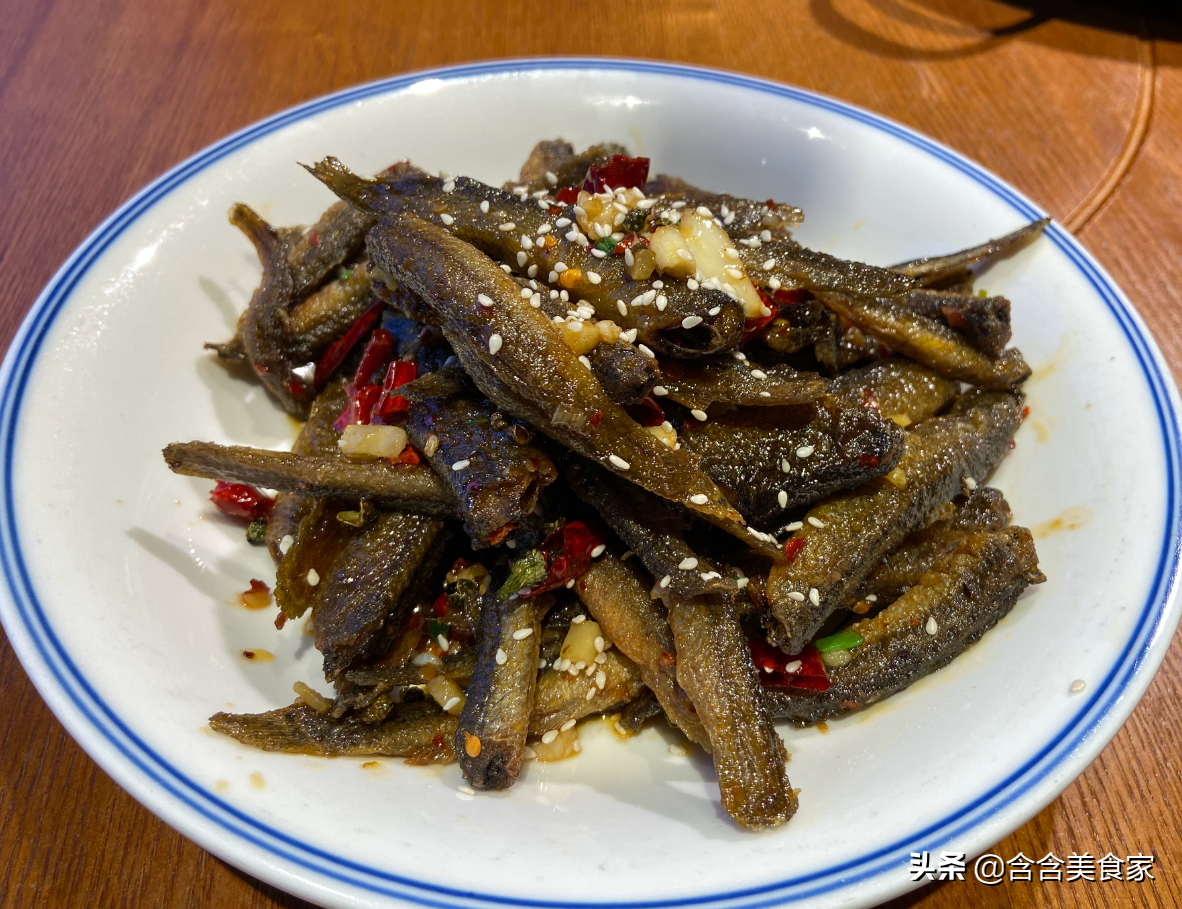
<point>256,533</point>
<point>843,640</point>
<point>524,572</point>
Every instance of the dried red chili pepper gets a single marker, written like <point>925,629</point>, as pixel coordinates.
<point>439,607</point>
<point>647,413</point>
<point>629,242</point>
<point>241,501</point>
<point>408,455</point>
<point>376,353</point>
<point>393,406</point>
<point>568,556</point>
<point>568,195</point>
<point>792,548</point>
<point>772,664</point>
<point>335,355</point>
<point>621,172</point>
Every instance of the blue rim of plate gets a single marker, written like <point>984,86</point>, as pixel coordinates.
<point>75,694</point>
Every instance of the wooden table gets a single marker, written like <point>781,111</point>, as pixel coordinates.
<point>1082,112</point>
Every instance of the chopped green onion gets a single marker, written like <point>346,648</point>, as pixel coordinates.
<point>524,572</point>
<point>634,221</point>
<point>435,628</point>
<point>256,533</point>
<point>981,293</point>
<point>345,273</point>
<point>843,640</point>
<point>607,244</point>
<point>358,518</point>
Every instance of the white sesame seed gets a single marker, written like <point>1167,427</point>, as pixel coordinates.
<point>804,451</point>
<point>507,226</point>
<point>447,219</point>
<point>551,179</point>
<point>660,391</point>
<point>665,581</point>
<point>768,264</point>
<point>792,667</point>
<point>313,577</point>
<point>678,204</point>
<point>684,254</point>
<point>688,564</point>
<point>692,284</point>
<point>484,206</point>
<point>598,551</point>
<point>662,302</point>
<point>765,394</point>
<point>739,355</point>
<point>600,643</point>
<point>644,350</point>
<point>622,307</point>
<point>700,499</point>
<point>814,596</point>
<point>732,253</point>
<point>729,219</point>
<point>585,361</point>
<point>795,525</point>
<point>525,293</point>
<point>562,222</point>
<point>1078,686</point>
<point>601,680</point>
<point>785,466</point>
<point>286,543</point>
<point>449,186</point>
<point>544,229</point>
<point>494,343</point>
<point>502,657</point>
<point>443,643</point>
<point>590,694</point>
<point>816,522</point>
<point>765,236</point>
<point>704,211</point>
<point>593,277</point>
<point>553,277</point>
<point>691,321</point>
<point>699,415</point>
<point>522,633</point>
<point>535,301</point>
<point>598,253</point>
<point>871,598</point>
<point>571,235</point>
<point>969,483</point>
<point>758,374</point>
<point>796,595</point>
<point>461,465</point>
<point>629,259</point>
<point>619,462</point>
<point>532,271</point>
<point>466,790</point>
<point>714,311</point>
<point>931,627</point>
<point>628,336</point>
<point>484,300</point>
<point>506,269</point>
<point>569,724</point>
<point>526,242</point>
<point>782,498</point>
<point>733,272</point>
<point>549,736</point>
<point>451,702</point>
<point>774,283</point>
<point>570,583</point>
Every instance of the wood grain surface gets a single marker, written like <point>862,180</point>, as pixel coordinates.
<point>1079,106</point>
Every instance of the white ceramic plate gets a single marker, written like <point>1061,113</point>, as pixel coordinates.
<point>120,580</point>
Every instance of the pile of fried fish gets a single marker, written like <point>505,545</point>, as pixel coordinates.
<point>755,471</point>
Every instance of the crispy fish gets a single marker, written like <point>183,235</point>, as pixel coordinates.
<point>375,577</point>
<point>700,383</point>
<point>482,456</point>
<point>419,731</point>
<point>618,599</point>
<point>557,158</point>
<point>626,374</point>
<point>414,489</point>
<point>931,343</point>
<point>328,313</point>
<point>740,217</point>
<point>928,270</point>
<point>520,361</point>
<point>333,240</point>
<point>518,231</point>
<point>770,459</point>
<point>651,528</point>
<point>845,536</point>
<point>490,737</point>
<point>953,605</point>
<point>715,669</point>
<point>983,509</point>
<point>982,321</point>
<point>901,390</point>
<point>786,264</point>
<point>562,697</point>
